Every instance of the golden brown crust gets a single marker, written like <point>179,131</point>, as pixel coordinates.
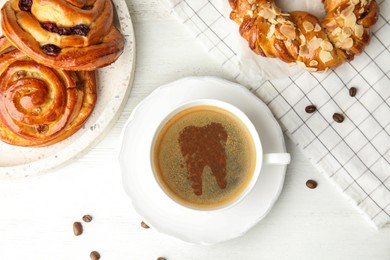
<point>39,105</point>
<point>98,44</point>
<point>299,37</point>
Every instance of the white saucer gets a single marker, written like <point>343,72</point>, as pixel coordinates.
<point>198,227</point>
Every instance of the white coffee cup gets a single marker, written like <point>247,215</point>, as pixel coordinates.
<point>261,158</point>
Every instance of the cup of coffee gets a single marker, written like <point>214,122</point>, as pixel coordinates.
<point>206,154</point>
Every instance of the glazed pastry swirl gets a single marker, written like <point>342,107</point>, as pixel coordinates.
<point>300,37</point>
<point>66,34</point>
<point>40,105</point>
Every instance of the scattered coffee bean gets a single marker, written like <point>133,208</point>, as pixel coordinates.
<point>94,255</point>
<point>87,218</point>
<point>144,225</point>
<point>311,184</point>
<point>339,118</point>
<point>77,228</point>
<point>161,258</point>
<point>310,109</point>
<point>352,91</point>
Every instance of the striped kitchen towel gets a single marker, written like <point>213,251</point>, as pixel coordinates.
<point>354,154</point>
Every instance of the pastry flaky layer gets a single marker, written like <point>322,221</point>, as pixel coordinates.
<point>65,34</point>
<point>40,105</point>
<point>300,37</point>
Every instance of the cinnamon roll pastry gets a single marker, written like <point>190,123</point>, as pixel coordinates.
<point>66,34</point>
<point>40,105</point>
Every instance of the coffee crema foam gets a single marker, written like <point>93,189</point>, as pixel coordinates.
<point>204,157</point>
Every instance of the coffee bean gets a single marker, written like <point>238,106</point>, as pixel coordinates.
<point>87,218</point>
<point>310,109</point>
<point>352,91</point>
<point>94,255</point>
<point>77,228</point>
<point>339,118</point>
<point>311,184</point>
<point>144,225</point>
<point>161,258</point>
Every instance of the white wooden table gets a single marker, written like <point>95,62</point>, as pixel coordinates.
<point>37,213</point>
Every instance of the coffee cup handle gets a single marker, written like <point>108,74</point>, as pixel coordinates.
<point>277,158</point>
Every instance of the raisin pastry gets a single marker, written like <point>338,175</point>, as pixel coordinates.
<point>40,105</point>
<point>300,37</point>
<point>65,34</point>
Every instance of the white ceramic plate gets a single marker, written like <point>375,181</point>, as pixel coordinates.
<point>114,85</point>
<point>198,227</point>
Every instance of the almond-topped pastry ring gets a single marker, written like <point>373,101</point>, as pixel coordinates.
<point>66,34</point>
<point>40,105</point>
<point>302,38</point>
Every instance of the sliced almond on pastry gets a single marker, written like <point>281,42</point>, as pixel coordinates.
<point>350,20</point>
<point>326,46</point>
<point>315,43</point>
<point>331,24</point>
<point>313,63</point>
<point>271,31</point>
<point>325,56</point>
<point>347,44</point>
<point>317,28</point>
<point>267,14</point>
<point>308,26</point>
<point>359,30</point>
<point>348,11</point>
<point>288,31</point>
